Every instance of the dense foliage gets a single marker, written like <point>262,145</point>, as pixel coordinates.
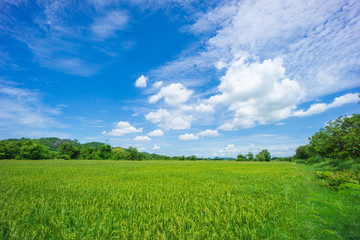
<point>336,145</point>
<point>55,148</point>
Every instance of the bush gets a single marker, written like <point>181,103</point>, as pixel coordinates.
<point>334,180</point>
<point>65,157</point>
<point>313,160</point>
<point>32,150</point>
<point>300,161</point>
<point>345,165</point>
<point>355,168</point>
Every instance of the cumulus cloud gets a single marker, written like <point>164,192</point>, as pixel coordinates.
<point>294,30</point>
<point>141,81</point>
<point>122,128</point>
<point>174,94</point>
<point>204,108</point>
<point>229,150</point>
<point>156,147</point>
<point>156,133</point>
<point>188,136</point>
<point>322,107</point>
<point>258,93</point>
<point>175,120</point>
<point>106,26</point>
<point>209,133</point>
<point>158,84</point>
<point>142,138</point>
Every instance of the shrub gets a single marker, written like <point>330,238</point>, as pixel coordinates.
<point>334,180</point>
<point>65,157</point>
<point>355,168</point>
<point>313,160</point>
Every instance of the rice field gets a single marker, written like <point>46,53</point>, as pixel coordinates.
<point>57,199</point>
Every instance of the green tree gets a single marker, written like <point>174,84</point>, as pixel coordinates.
<point>241,157</point>
<point>339,140</point>
<point>68,149</point>
<point>32,150</point>
<point>119,153</point>
<point>259,157</point>
<point>250,156</point>
<point>105,152</point>
<point>302,152</point>
<point>133,154</point>
<point>264,155</point>
<point>9,149</point>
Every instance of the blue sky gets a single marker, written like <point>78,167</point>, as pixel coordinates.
<point>210,78</point>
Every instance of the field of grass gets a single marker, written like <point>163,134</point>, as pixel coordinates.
<point>57,199</point>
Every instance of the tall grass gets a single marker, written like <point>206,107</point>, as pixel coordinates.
<point>155,200</point>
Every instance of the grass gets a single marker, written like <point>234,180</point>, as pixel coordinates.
<point>57,199</point>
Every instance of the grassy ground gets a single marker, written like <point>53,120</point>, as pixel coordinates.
<point>57,199</point>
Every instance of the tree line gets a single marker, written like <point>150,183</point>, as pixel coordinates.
<point>337,144</point>
<point>55,148</point>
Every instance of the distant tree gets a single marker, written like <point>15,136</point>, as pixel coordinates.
<point>62,141</point>
<point>302,152</point>
<point>250,156</point>
<point>193,158</point>
<point>133,154</point>
<point>32,150</point>
<point>241,157</point>
<point>259,157</point>
<point>9,149</point>
<point>105,152</point>
<point>69,149</point>
<point>264,155</point>
<point>95,145</point>
<point>49,142</point>
<point>119,153</point>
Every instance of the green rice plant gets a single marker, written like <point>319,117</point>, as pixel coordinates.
<point>156,200</point>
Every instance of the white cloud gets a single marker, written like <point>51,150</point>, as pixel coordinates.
<point>293,30</point>
<point>209,133</point>
<point>157,116</point>
<point>187,136</point>
<point>229,151</point>
<point>322,107</point>
<point>22,107</point>
<point>158,84</point>
<point>156,147</point>
<point>258,93</point>
<point>204,108</point>
<point>201,108</point>
<point>106,26</point>
<point>141,81</point>
<point>142,138</point>
<point>122,128</point>
<point>156,133</point>
<point>175,120</point>
<point>174,94</point>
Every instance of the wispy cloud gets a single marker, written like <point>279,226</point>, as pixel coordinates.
<point>23,107</point>
<point>280,40</point>
<point>322,107</point>
<point>105,27</point>
<point>56,40</point>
